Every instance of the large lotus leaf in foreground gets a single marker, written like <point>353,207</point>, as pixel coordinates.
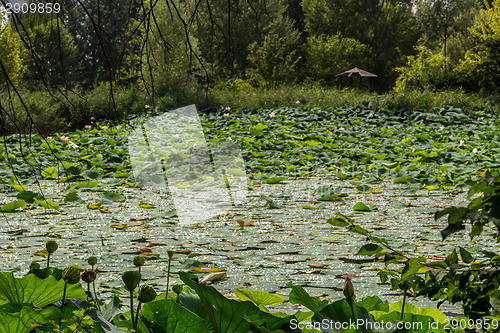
<point>33,290</point>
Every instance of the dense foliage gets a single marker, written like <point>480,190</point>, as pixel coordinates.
<point>443,150</point>
<point>208,42</point>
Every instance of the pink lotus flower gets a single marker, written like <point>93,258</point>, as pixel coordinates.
<point>371,115</point>
<point>49,138</point>
<point>146,106</point>
<point>92,118</point>
<point>175,135</point>
<point>474,150</point>
<point>228,108</point>
<point>64,138</point>
<point>226,114</point>
<point>298,102</point>
<point>441,128</point>
<point>388,126</point>
<point>88,126</point>
<point>426,118</point>
<point>238,118</point>
<point>462,142</point>
<point>341,128</point>
<point>272,115</point>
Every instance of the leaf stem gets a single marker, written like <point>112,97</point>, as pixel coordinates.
<point>95,296</point>
<point>351,304</point>
<point>137,315</point>
<point>403,307</point>
<point>132,308</point>
<point>48,266</point>
<point>63,299</point>
<point>168,276</point>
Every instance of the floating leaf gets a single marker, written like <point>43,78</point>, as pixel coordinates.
<point>29,196</point>
<point>94,206</point>
<point>112,196</point>
<point>357,229</point>
<point>121,174</point>
<point>370,249</point>
<point>146,205</point>
<point>50,172</point>
<point>274,180</point>
<point>391,166</point>
<point>271,202</point>
<point>361,207</point>
<point>206,270</point>
<point>73,196</point>
<point>338,222</point>
<point>48,204</point>
<point>213,277</point>
<point>12,206</point>
<point>19,187</point>
<point>89,184</point>
<point>363,188</point>
<point>92,174</point>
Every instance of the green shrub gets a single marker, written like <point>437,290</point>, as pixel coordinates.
<point>327,56</point>
<point>425,70</point>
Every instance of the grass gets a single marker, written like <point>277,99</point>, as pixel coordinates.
<point>53,112</point>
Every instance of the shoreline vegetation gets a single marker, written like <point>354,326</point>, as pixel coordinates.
<point>53,112</point>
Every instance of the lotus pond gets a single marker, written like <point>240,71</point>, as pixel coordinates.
<point>389,171</point>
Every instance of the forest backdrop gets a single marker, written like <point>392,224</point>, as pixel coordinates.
<point>94,57</point>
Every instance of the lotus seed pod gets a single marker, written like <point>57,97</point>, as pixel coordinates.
<point>139,261</point>
<point>34,265</point>
<point>89,275</point>
<point>404,285</point>
<point>51,246</point>
<point>177,288</point>
<point>92,261</point>
<point>71,275</point>
<point>170,254</point>
<point>146,294</point>
<point>131,279</point>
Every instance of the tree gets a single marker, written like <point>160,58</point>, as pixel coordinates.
<point>387,27</point>
<point>483,64</point>
<point>101,31</point>
<point>426,70</point>
<point>10,55</point>
<point>441,20</point>
<point>226,28</point>
<point>327,56</point>
<point>54,57</point>
<point>168,58</point>
<point>274,60</point>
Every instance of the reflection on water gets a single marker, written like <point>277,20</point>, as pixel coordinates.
<point>273,250</point>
